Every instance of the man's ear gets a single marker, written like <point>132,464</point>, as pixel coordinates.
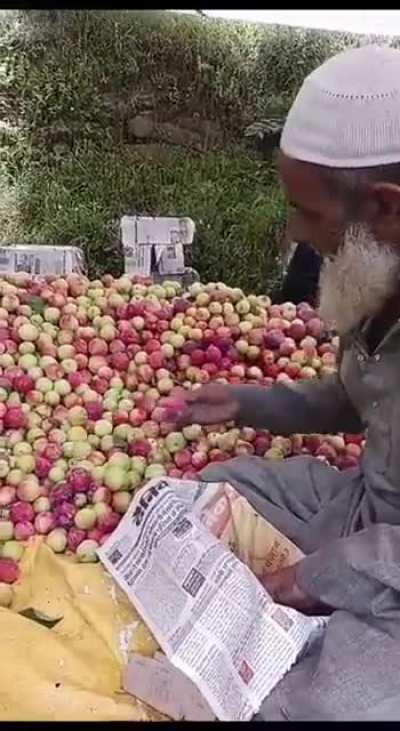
<point>382,211</point>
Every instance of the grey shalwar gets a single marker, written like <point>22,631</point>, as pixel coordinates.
<point>348,524</point>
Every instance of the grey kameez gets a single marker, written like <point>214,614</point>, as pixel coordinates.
<point>347,523</point>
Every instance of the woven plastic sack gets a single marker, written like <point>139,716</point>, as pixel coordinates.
<point>65,642</point>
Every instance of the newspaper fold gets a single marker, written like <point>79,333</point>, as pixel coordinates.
<point>174,556</point>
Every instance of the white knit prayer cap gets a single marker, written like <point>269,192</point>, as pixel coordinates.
<point>347,112</point>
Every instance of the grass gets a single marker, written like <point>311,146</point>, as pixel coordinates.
<point>232,197</point>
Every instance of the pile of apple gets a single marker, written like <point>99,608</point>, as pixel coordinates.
<point>85,367</point>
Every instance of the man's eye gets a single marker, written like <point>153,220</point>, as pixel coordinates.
<point>296,210</point>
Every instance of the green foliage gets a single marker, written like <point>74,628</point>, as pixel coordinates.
<point>288,55</point>
<point>233,199</point>
<point>65,73</point>
<point>70,79</point>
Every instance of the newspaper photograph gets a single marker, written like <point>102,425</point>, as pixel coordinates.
<point>173,554</point>
<point>137,260</point>
<point>170,259</point>
<point>165,236</point>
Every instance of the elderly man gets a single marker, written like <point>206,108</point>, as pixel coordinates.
<point>340,169</point>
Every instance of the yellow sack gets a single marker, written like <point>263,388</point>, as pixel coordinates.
<point>70,671</point>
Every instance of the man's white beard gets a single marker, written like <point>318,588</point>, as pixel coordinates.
<point>357,282</point>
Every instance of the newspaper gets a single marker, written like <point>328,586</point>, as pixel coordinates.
<point>142,236</point>
<point>173,556</point>
<point>41,261</point>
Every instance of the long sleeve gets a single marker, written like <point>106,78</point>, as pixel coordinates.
<point>360,574</point>
<point>320,406</point>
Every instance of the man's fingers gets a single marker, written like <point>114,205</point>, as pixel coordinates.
<point>211,394</point>
<point>193,396</point>
<point>271,584</point>
<point>197,414</point>
<point>184,419</point>
<point>210,404</point>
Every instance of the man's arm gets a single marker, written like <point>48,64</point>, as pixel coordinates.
<point>321,406</point>
<point>359,574</point>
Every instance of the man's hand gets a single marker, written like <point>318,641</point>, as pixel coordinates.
<point>212,404</point>
<point>283,588</point>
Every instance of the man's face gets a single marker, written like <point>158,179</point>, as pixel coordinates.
<point>317,217</point>
<point>361,258</point>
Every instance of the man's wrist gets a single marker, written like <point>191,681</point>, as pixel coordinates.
<point>246,399</point>
<point>305,575</point>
